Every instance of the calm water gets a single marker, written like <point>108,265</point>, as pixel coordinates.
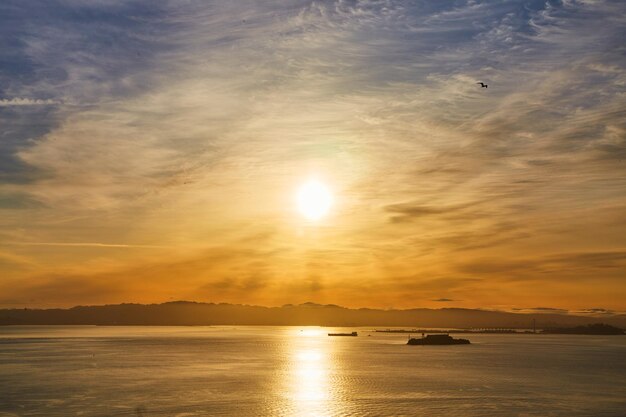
<point>288,371</point>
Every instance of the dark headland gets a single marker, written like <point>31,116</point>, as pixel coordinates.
<point>185,313</point>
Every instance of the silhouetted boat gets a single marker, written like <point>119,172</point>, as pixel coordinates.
<point>343,334</point>
<point>437,339</point>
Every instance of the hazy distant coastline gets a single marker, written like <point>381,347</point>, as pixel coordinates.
<point>185,313</point>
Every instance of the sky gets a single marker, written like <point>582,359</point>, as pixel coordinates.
<point>153,151</point>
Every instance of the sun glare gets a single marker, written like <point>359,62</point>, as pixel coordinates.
<point>314,200</point>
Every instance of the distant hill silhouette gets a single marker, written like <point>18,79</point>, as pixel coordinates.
<point>193,313</point>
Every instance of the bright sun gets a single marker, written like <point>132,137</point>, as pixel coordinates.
<point>314,200</point>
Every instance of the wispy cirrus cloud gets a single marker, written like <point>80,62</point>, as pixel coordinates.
<point>81,244</point>
<point>25,102</point>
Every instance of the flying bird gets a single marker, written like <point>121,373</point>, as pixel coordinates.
<point>482,84</point>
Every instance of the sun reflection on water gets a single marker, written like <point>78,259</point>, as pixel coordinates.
<point>311,377</point>
<point>310,364</point>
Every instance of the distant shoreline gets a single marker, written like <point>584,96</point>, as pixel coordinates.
<point>185,313</point>
<point>596,329</point>
<point>566,331</point>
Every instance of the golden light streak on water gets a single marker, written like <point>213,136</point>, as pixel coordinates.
<point>309,367</point>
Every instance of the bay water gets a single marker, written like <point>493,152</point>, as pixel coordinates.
<point>300,371</point>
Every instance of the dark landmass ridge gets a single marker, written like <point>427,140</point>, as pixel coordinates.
<point>185,313</point>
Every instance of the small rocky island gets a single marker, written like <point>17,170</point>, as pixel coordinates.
<point>437,339</point>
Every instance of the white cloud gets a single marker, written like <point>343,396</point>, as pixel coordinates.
<point>4,102</point>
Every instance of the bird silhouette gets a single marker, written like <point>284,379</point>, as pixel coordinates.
<point>482,84</point>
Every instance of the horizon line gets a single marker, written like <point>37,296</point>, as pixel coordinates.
<point>525,311</point>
